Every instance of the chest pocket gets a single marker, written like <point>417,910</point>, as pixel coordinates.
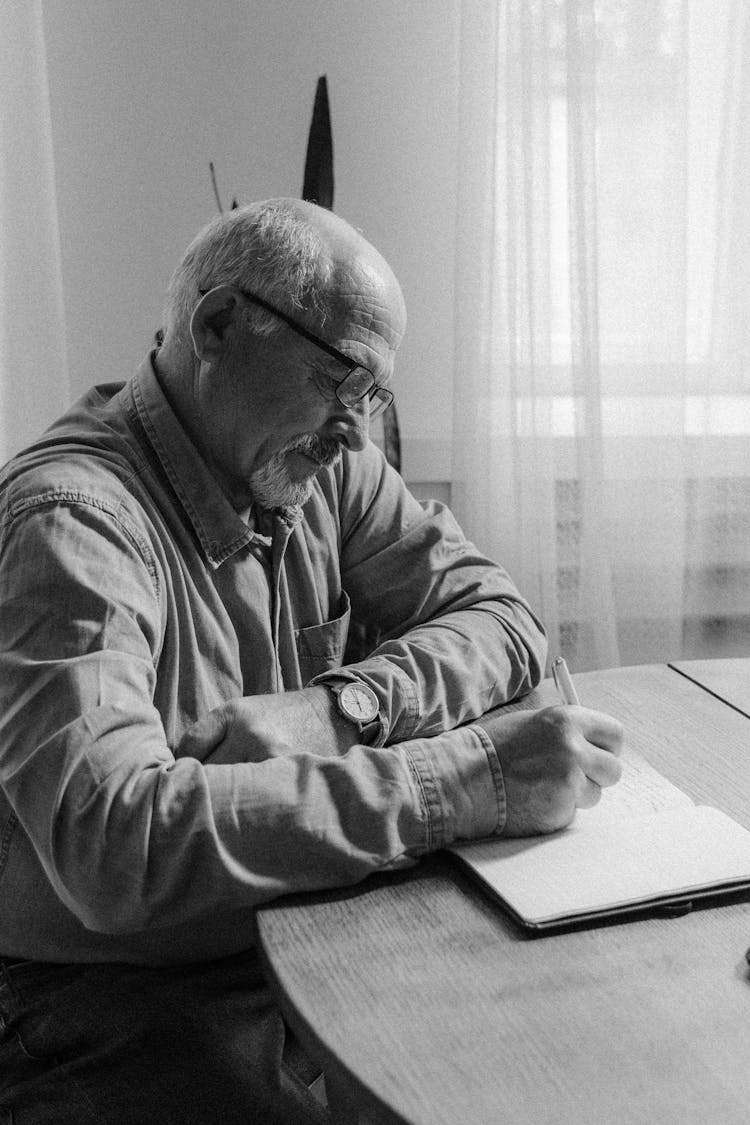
<point>321,647</point>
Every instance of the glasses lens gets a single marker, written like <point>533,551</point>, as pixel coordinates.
<point>360,382</point>
<point>380,400</point>
<point>355,386</point>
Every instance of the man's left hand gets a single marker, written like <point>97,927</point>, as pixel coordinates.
<point>256,727</point>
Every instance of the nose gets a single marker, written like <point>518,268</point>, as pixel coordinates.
<point>350,425</point>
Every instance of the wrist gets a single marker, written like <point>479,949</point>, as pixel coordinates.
<point>340,734</point>
<point>358,706</point>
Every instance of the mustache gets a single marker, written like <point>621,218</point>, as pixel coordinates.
<point>323,450</point>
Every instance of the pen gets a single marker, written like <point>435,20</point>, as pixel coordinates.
<point>563,682</point>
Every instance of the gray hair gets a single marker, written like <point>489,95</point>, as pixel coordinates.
<point>268,248</point>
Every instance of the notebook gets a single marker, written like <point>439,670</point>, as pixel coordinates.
<point>645,845</point>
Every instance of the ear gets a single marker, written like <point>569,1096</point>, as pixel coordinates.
<point>213,319</point>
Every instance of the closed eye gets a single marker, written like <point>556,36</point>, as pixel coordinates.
<point>324,382</point>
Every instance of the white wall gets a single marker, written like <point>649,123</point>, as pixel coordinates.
<point>144,94</point>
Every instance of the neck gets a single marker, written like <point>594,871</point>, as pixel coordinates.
<point>179,386</point>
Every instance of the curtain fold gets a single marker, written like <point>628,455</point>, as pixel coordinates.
<point>602,392</point>
<point>34,385</point>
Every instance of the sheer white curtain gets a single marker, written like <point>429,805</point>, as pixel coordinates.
<point>602,404</point>
<point>33,370</point>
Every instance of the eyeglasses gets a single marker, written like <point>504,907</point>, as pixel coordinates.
<point>359,381</point>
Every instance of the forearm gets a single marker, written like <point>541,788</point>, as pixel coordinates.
<point>458,637</point>
<point>254,728</point>
<point>157,842</point>
<point>455,668</point>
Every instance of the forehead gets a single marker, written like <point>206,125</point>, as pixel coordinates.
<point>367,304</point>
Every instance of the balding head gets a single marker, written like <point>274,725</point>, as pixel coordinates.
<point>298,256</point>
<point>257,386</point>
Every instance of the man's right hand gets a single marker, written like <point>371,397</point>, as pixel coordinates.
<point>553,761</point>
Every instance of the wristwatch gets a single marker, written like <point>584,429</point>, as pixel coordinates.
<point>359,704</point>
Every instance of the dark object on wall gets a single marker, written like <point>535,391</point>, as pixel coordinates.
<point>318,182</point>
<point>391,442</point>
<point>215,186</point>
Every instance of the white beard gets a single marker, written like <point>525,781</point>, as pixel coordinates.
<point>271,485</point>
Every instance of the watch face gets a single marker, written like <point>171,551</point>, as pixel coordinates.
<point>359,701</point>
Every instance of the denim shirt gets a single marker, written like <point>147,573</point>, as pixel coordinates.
<point>134,599</point>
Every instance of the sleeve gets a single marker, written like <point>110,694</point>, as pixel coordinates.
<point>132,839</point>
<point>457,638</point>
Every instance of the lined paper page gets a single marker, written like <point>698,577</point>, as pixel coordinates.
<point>642,789</point>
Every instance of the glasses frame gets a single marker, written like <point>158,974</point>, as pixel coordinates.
<point>382,395</point>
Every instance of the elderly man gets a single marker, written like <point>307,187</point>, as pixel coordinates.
<point>179,738</point>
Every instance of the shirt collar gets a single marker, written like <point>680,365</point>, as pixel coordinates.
<point>220,530</point>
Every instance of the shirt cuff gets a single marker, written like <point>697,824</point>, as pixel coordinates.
<point>461,785</point>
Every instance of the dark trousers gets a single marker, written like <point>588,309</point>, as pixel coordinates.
<point>126,1045</point>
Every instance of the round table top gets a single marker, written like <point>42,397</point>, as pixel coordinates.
<point>418,993</point>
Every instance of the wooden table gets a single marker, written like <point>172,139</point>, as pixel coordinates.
<point>727,679</point>
<point>426,1005</point>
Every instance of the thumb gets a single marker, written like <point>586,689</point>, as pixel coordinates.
<point>204,735</point>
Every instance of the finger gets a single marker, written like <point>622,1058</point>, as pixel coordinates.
<point>599,766</point>
<point>599,728</point>
<point>590,794</point>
